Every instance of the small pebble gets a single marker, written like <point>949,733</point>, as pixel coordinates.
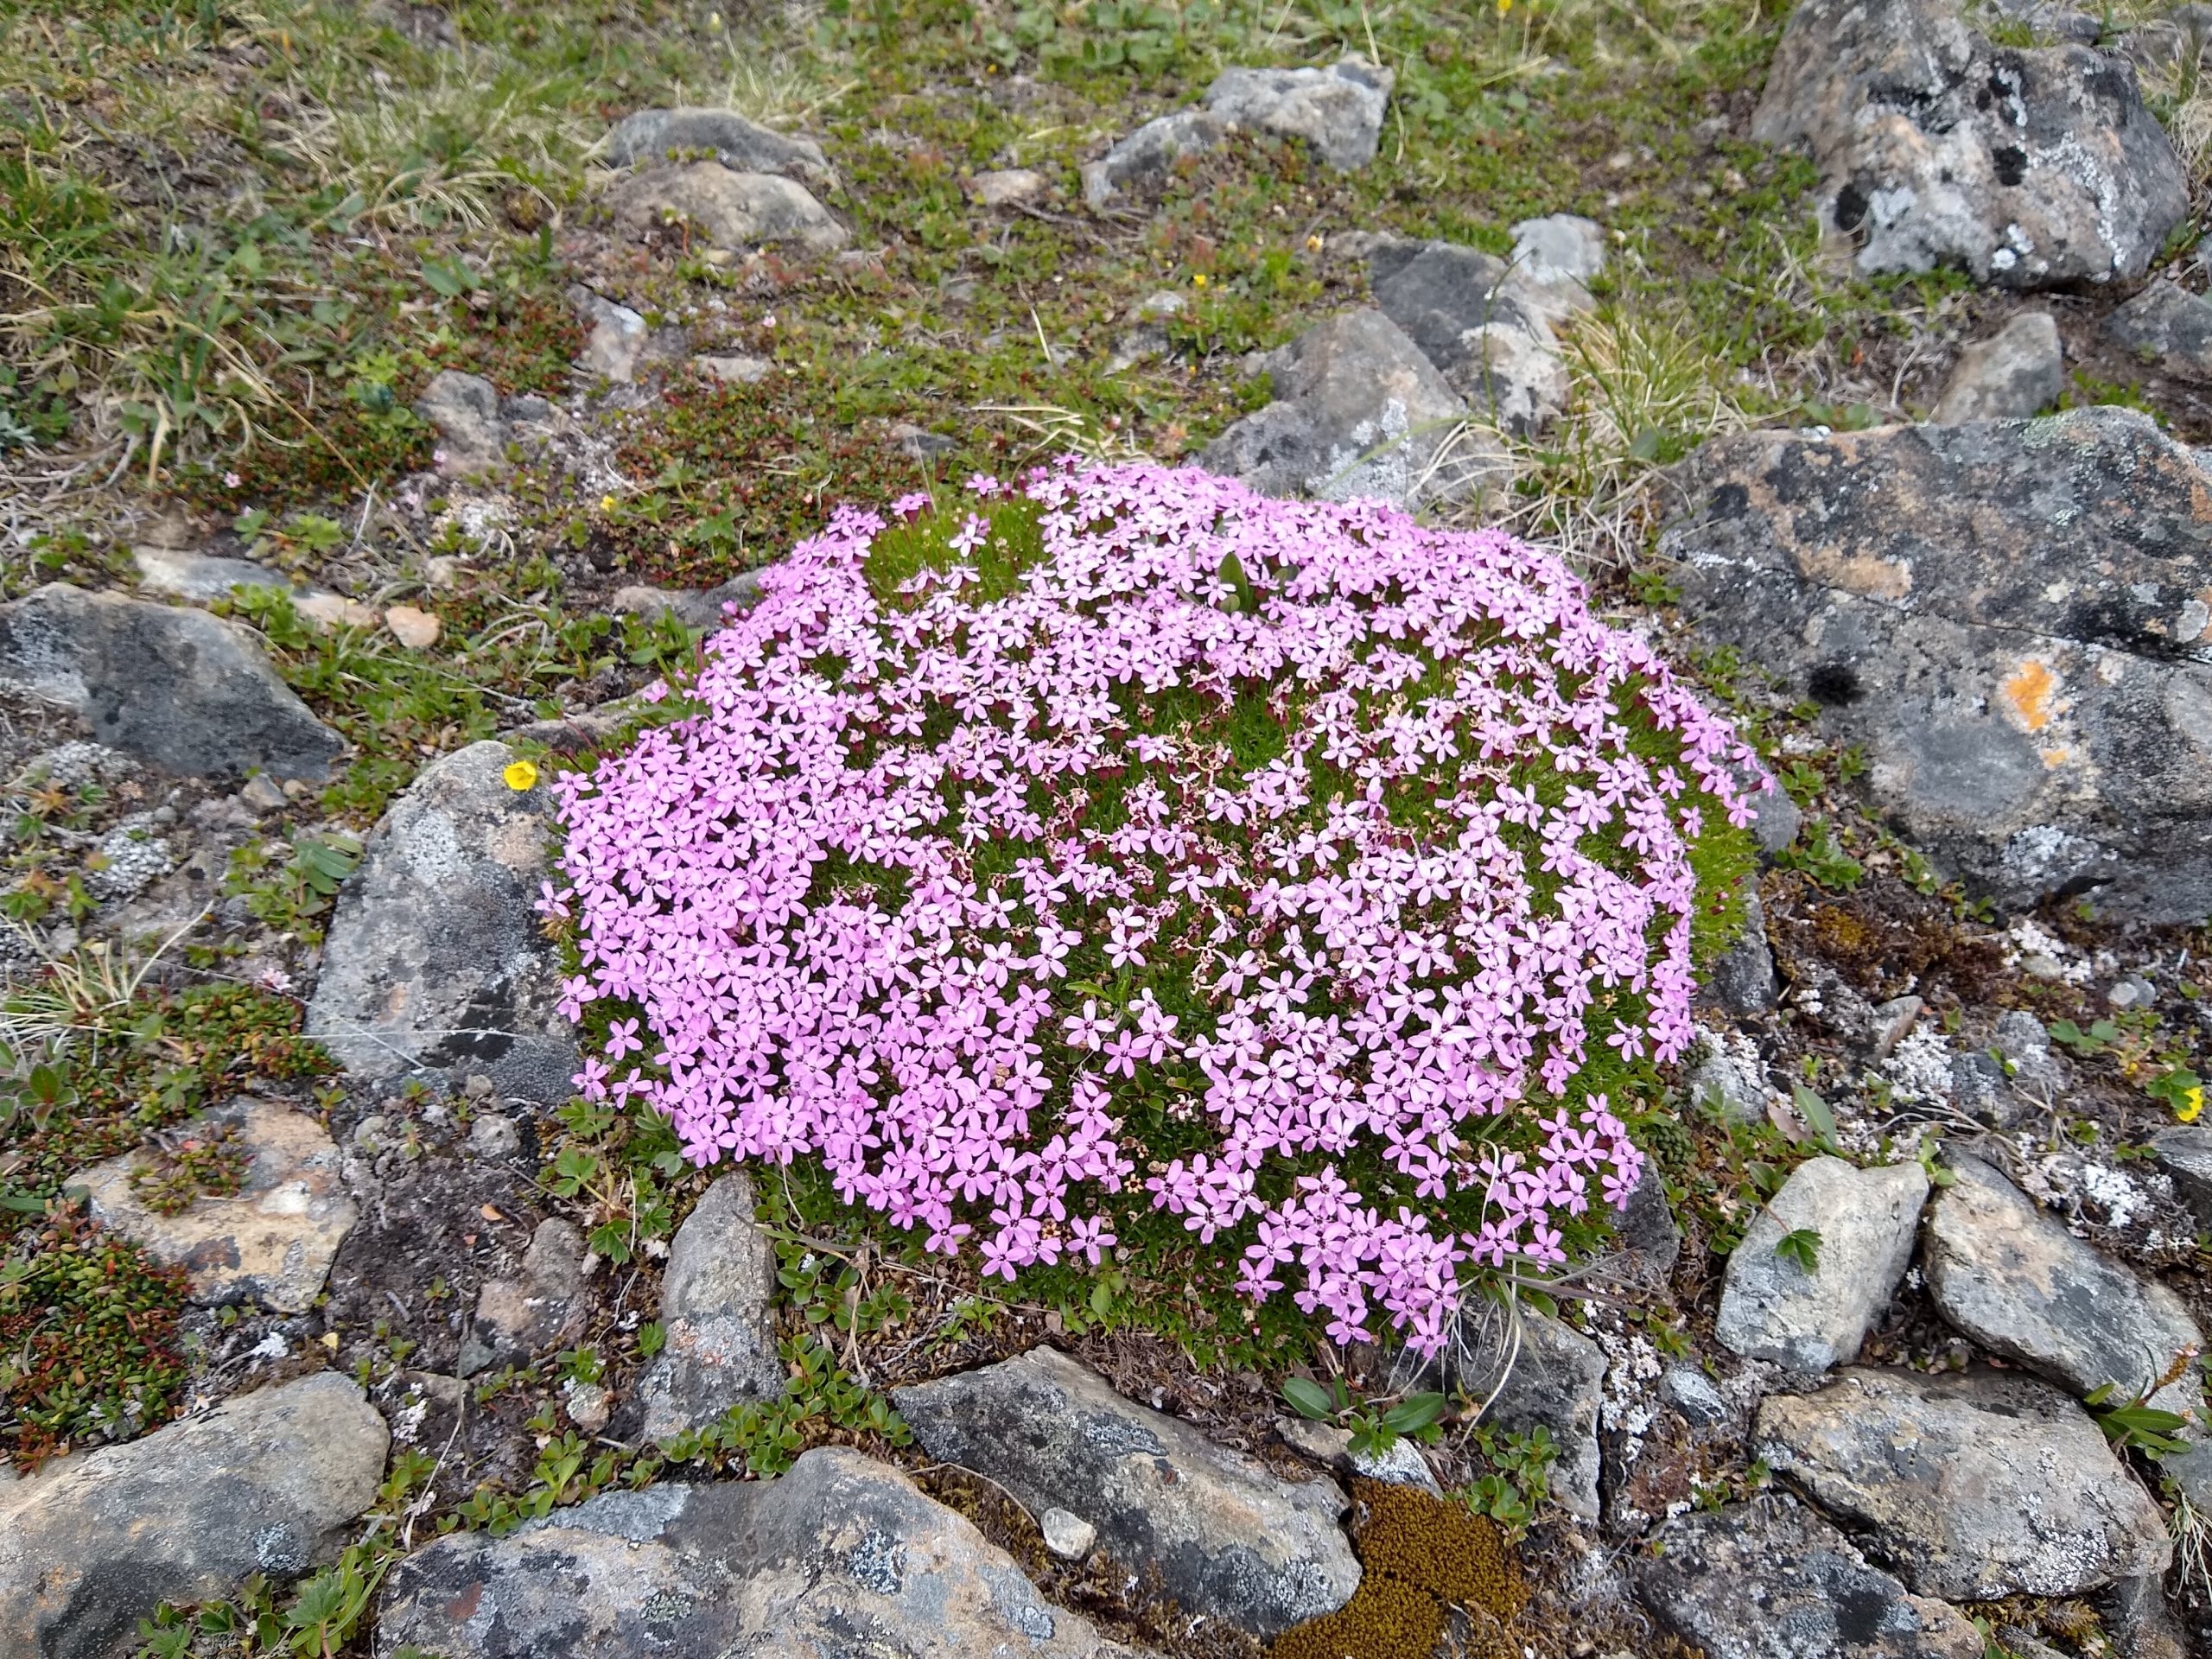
<point>1068,1536</point>
<point>494,1138</point>
<point>262,795</point>
<point>589,1406</point>
<point>416,629</point>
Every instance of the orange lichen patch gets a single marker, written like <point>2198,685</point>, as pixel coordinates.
<point>2029,690</point>
<point>1420,1553</point>
<point>1858,573</point>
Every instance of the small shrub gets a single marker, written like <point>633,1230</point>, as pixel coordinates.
<point>1133,845</point>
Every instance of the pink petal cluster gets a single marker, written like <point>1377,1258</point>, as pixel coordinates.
<point>949,892</point>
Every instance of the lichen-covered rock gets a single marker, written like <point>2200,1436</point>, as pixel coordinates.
<point>1358,411</point>
<point>1772,1308</point>
<point>715,1310</point>
<point>270,1243</point>
<point>1482,322</point>
<point>2017,372</point>
<point>2169,329</point>
<point>2184,1152</point>
<point>184,692</point>
<point>1977,1485</point>
<point>742,146</point>
<point>1229,1540</point>
<point>2035,702</point>
<point>842,1555</point>
<point>2019,1284</point>
<point>1770,1579</point>
<point>737,211</point>
<point>1338,110</point>
<point>1548,1376</point>
<point>265,1483</point>
<point>2030,168</point>
<point>434,960</point>
<point>464,411</point>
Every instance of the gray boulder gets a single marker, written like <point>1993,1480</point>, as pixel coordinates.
<point>1359,412</point>
<point>1772,1308</point>
<point>1558,249</point>
<point>2184,1152</point>
<point>1770,1579</point>
<point>2036,709</point>
<point>2017,372</point>
<point>2169,329</point>
<point>1475,319</point>
<point>2017,1282</point>
<point>265,1483</point>
<point>271,1243</point>
<point>1338,110</point>
<point>1150,152</point>
<point>1553,1380</point>
<point>737,211</point>
<point>182,691</point>
<point>1977,1485</point>
<point>1231,1542</point>
<point>174,573</point>
<point>433,960</point>
<point>464,411</point>
<point>842,1555</point>
<point>2030,168</point>
<point>1742,978</point>
<point>715,1308</point>
<point>742,146</point>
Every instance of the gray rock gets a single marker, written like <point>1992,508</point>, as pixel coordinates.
<point>1691,1393</point>
<point>2036,709</point>
<point>618,336</point>
<point>842,1555</point>
<point>1770,1579</point>
<point>434,961</point>
<point>1008,187</point>
<point>716,1300</point>
<point>521,1320</point>
<point>1560,248</point>
<point>1772,1309</point>
<point>1337,110</point>
<point>1556,1382</point>
<point>494,1138</point>
<point>695,609</point>
<point>1727,1081</point>
<point>2184,1152</point>
<point>1401,1466</point>
<point>1231,1540</point>
<point>1068,1536</point>
<point>1977,1485</point>
<point>734,371</point>
<point>464,411</point>
<point>2028,168</point>
<point>1742,978</point>
<point>2022,1039</point>
<point>737,211</point>
<point>1776,820</point>
<point>265,1483</point>
<point>2017,1282</point>
<point>269,1244</point>
<point>2168,328</point>
<point>1150,152</point>
<point>2140,1624</point>
<point>178,690</point>
<point>742,146</point>
<point>1471,316</point>
<point>176,574</point>
<point>2017,372</point>
<point>1359,412</point>
<point>1650,1238</point>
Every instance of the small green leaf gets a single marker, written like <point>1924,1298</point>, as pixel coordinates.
<point>1803,1247</point>
<point>1308,1400</point>
<point>1414,1413</point>
<point>1814,1112</point>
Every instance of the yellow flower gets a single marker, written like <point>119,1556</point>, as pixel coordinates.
<point>1505,6</point>
<point>607,504</point>
<point>2192,1104</point>
<point>521,774</point>
<point>1198,281</point>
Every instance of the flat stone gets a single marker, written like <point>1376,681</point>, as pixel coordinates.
<point>1556,1382</point>
<point>2017,372</point>
<point>1008,187</point>
<point>2035,710</point>
<point>717,1309</point>
<point>2168,328</point>
<point>2017,1282</point>
<point>2184,1152</point>
<point>1337,110</point>
<point>1693,1393</point>
<point>263,1484</point>
<point>617,338</point>
<point>2028,168</point>
<point>1068,1536</point>
<point>1770,1579</point>
<point>1230,1541</point>
<point>1151,151</point>
<point>737,211</point>
<point>414,627</point>
<point>1772,1309</point>
<point>434,961</point>
<point>271,1243</point>
<point>742,145</point>
<point>841,1555</point>
<point>1977,1485</point>
<point>199,577</point>
<point>738,371</point>
<point>1560,248</point>
<point>1359,412</point>
<point>521,1320</point>
<point>178,690</point>
<point>464,411</point>
<point>327,611</point>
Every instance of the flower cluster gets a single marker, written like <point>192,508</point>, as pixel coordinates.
<point>1127,840</point>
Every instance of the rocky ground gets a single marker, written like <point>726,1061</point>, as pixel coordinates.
<point>390,391</point>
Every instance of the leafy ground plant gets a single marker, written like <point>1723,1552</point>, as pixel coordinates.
<point>1128,848</point>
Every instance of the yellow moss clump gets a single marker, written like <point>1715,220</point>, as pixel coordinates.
<point>1419,1553</point>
